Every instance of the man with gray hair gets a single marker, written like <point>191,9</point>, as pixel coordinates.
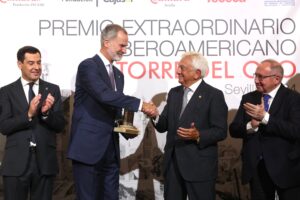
<point>268,122</point>
<point>99,98</point>
<point>195,118</point>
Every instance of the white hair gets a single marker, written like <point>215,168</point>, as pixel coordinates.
<point>198,62</point>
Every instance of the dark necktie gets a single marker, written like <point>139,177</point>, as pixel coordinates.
<point>111,76</point>
<point>185,99</point>
<point>266,101</point>
<point>31,94</point>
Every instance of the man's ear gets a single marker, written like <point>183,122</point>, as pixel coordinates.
<point>198,74</point>
<point>19,63</point>
<point>278,79</point>
<point>106,43</point>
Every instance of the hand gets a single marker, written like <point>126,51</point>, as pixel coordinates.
<point>149,109</point>
<point>257,112</point>
<point>189,133</point>
<point>33,105</point>
<point>254,123</point>
<point>47,104</point>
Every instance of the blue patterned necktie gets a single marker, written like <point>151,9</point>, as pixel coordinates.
<point>266,101</point>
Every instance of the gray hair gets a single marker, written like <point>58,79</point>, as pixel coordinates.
<point>110,32</point>
<point>275,66</point>
<point>198,62</point>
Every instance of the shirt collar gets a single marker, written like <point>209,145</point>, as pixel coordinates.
<point>25,82</point>
<point>104,60</point>
<point>195,85</point>
<point>274,92</point>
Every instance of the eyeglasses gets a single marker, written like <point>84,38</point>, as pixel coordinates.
<point>261,77</point>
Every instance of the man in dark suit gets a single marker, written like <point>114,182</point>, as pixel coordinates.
<point>99,98</point>
<point>268,122</point>
<point>30,123</point>
<point>191,152</point>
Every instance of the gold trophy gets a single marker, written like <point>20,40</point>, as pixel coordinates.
<point>126,124</point>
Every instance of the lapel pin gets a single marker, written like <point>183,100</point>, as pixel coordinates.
<point>200,96</point>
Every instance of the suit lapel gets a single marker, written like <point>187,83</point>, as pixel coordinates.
<point>43,90</point>
<point>278,99</point>
<point>18,92</point>
<point>118,79</point>
<point>196,99</point>
<point>103,70</point>
<point>256,98</point>
<point>178,104</point>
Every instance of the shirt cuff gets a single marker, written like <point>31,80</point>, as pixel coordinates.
<point>156,119</point>
<point>45,115</point>
<point>141,105</point>
<point>250,129</point>
<point>266,118</point>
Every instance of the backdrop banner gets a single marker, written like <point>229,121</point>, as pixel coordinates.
<point>234,35</point>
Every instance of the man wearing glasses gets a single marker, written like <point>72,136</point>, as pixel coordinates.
<point>268,121</point>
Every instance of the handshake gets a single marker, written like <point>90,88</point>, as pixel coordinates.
<point>150,109</point>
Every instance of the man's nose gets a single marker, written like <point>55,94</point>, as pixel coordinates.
<point>36,66</point>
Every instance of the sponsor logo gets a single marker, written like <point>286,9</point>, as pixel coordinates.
<point>226,1</point>
<point>167,1</point>
<point>113,1</point>
<point>78,1</point>
<point>33,3</point>
<point>279,2</point>
<point>117,1</point>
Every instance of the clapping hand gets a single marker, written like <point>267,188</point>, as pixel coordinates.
<point>257,112</point>
<point>47,104</point>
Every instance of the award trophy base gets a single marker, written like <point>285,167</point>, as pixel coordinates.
<point>126,129</point>
<point>126,125</point>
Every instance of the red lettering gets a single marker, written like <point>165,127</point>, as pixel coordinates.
<point>223,68</point>
<point>227,71</point>
<point>287,63</point>
<point>254,64</point>
<point>153,69</point>
<point>166,67</point>
<point>122,65</point>
<point>137,64</point>
<point>214,69</point>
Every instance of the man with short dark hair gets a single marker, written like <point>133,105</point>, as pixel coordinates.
<point>31,115</point>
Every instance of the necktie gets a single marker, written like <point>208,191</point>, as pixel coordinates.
<point>31,94</point>
<point>185,99</point>
<point>111,77</point>
<point>266,101</point>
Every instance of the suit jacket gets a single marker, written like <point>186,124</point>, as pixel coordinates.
<point>207,108</point>
<point>96,108</point>
<point>277,142</point>
<point>14,124</point>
